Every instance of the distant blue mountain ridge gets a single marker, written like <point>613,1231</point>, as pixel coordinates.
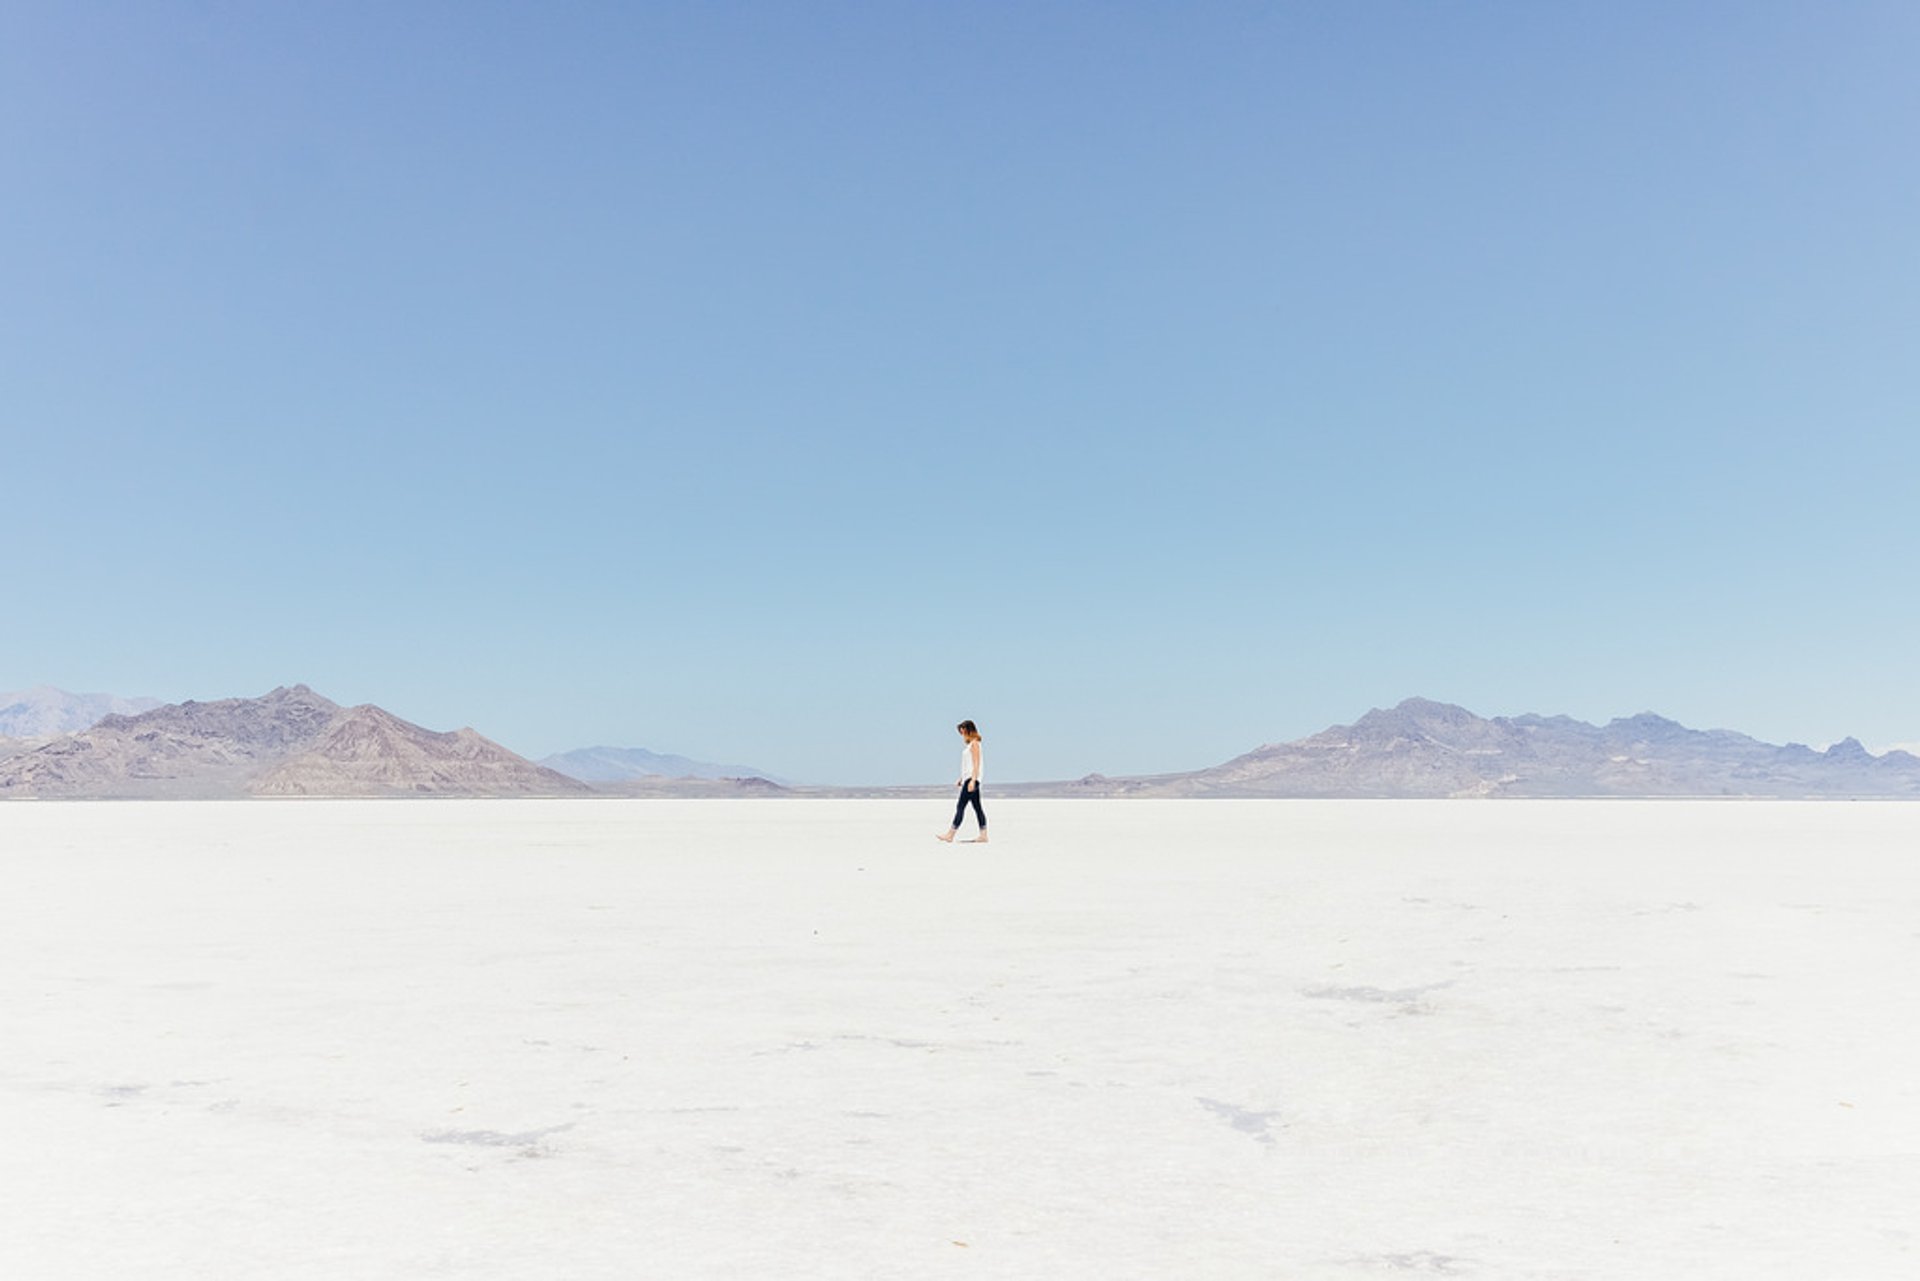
<point>43,711</point>
<point>628,764</point>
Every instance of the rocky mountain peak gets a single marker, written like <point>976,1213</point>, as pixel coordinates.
<point>1423,748</point>
<point>368,751</point>
<point>288,741</point>
<point>1646,721</point>
<point>282,719</point>
<point>1416,719</point>
<point>1427,707</point>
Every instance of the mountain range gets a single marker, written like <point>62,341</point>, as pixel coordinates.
<point>289,742</point>
<point>1421,748</point>
<point>637,764</point>
<point>294,742</point>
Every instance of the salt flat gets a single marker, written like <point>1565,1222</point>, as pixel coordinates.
<point>788,1039</point>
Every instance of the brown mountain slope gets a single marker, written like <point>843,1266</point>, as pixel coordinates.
<point>181,750</point>
<point>290,742</point>
<point>371,752</point>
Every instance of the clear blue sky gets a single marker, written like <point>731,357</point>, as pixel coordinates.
<point>780,383</point>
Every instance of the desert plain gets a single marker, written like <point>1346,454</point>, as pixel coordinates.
<point>585,1039</point>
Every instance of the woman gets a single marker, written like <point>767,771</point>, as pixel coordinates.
<point>969,784</point>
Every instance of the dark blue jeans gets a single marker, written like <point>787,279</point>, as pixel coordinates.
<point>969,791</point>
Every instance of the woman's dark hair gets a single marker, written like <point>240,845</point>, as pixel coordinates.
<point>967,728</point>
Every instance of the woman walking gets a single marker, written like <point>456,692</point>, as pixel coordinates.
<point>969,784</point>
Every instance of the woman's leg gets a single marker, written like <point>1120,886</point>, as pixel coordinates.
<point>978,813</point>
<point>960,809</point>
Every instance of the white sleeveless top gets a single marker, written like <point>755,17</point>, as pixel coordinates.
<point>966,762</point>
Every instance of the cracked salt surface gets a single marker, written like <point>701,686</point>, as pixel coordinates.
<point>1129,1038</point>
<point>494,1139</point>
<point>1417,1261</point>
<point>1407,997</point>
<point>1257,1124</point>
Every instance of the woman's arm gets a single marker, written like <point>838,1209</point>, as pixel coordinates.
<point>973,750</point>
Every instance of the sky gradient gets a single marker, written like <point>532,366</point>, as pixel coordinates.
<point>782,383</point>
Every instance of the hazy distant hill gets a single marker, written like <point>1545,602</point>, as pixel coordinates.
<point>291,741</point>
<point>750,788</point>
<point>43,711</point>
<point>1422,748</point>
<point>632,764</point>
